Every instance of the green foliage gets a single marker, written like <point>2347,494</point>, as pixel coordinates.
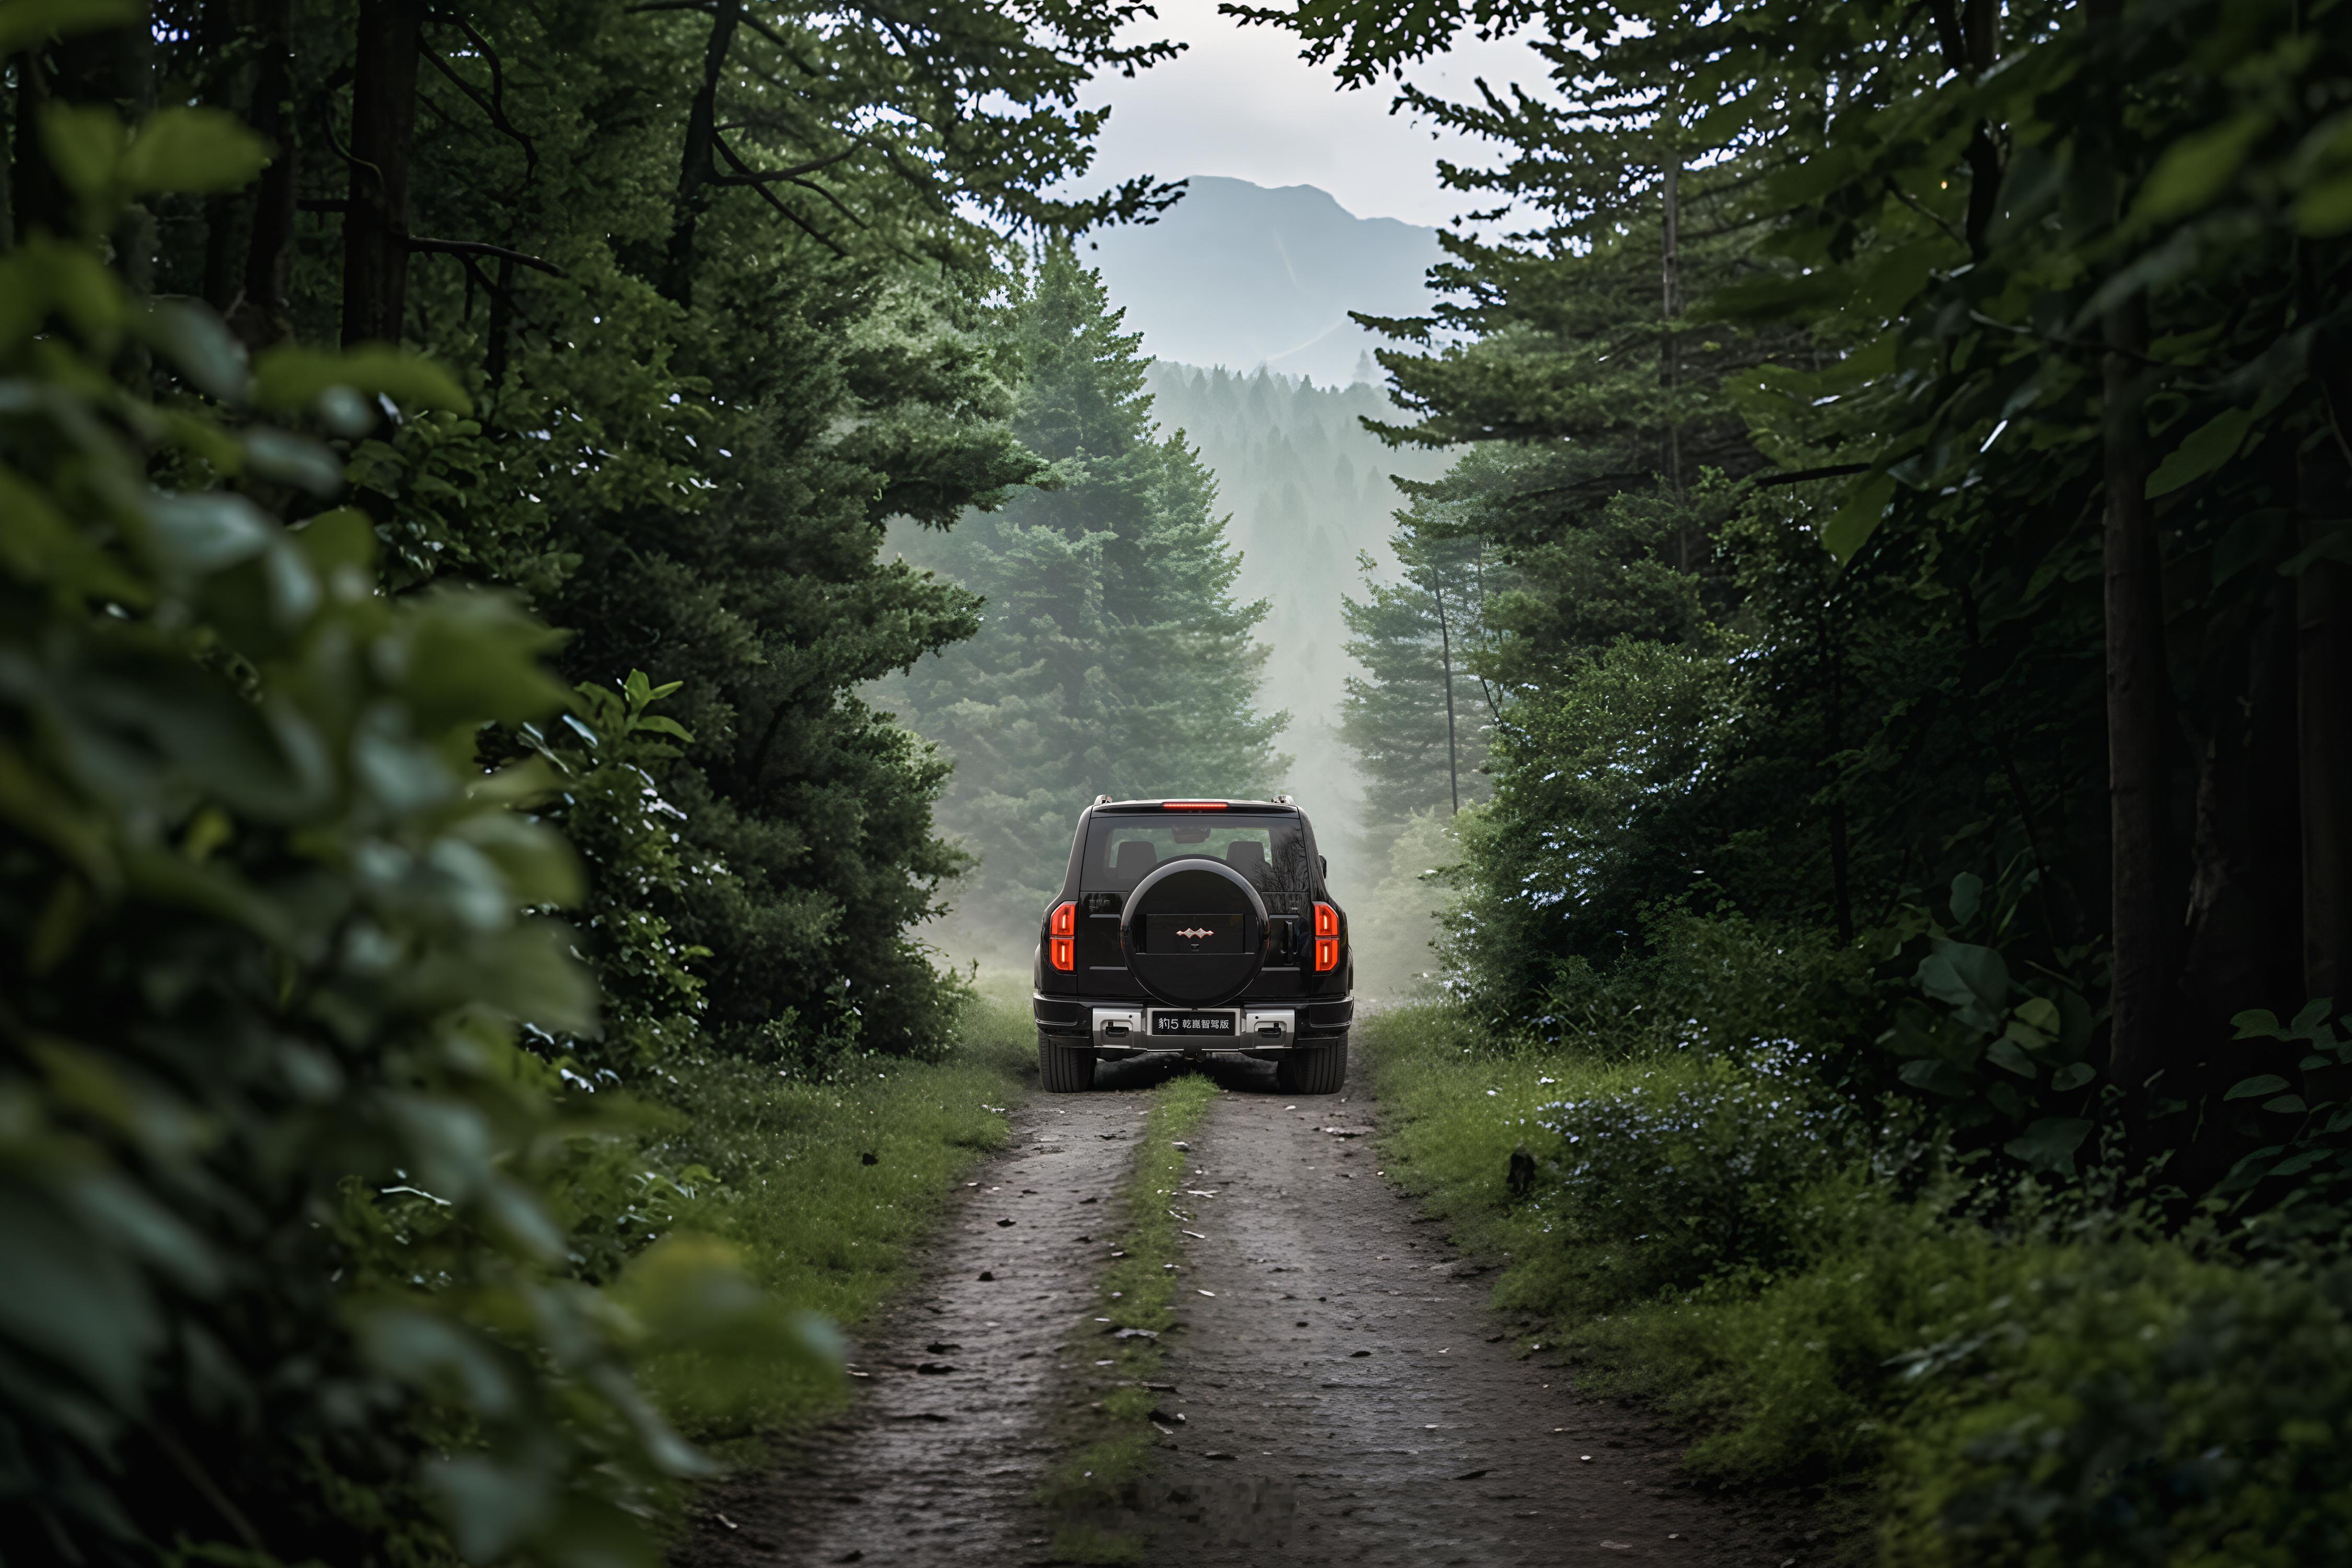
<point>1113,658</point>
<point>2136,1404</point>
<point>1685,1171</point>
<point>606,752</point>
<point>2309,1155</point>
<point>286,1252</point>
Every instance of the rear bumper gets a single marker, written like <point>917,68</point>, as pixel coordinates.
<point>1133,1028</point>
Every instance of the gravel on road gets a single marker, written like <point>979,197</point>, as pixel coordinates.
<point>1346,1396</point>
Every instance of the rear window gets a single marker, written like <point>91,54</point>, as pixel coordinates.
<point>1270,851</point>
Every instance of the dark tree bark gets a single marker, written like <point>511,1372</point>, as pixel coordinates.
<point>258,313</point>
<point>2322,682</point>
<point>1445,667</point>
<point>696,160</point>
<point>2145,918</point>
<point>1832,667</point>
<point>2139,717</point>
<point>1968,34</point>
<point>216,33</point>
<point>383,125</point>
<point>37,199</point>
<point>2242,932</point>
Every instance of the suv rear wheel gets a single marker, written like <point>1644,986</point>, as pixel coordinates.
<point>1063,1070</point>
<point>1313,1069</point>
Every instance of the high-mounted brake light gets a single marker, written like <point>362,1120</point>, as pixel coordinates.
<point>1062,945</point>
<point>1327,939</point>
<point>1195,806</point>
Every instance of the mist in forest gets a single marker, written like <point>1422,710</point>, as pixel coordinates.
<point>1264,563</point>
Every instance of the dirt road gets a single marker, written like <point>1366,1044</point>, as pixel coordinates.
<point>1347,1398</point>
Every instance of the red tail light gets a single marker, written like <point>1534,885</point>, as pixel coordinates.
<point>1327,939</point>
<point>1061,947</point>
<point>1193,805</point>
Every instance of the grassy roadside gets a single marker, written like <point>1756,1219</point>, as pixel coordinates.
<point>826,1189</point>
<point>1959,1369</point>
<point>1111,1445</point>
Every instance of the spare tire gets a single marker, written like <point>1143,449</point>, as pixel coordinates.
<point>1194,933</point>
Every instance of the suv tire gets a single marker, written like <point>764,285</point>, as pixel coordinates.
<point>1063,1070</point>
<point>1313,1069</point>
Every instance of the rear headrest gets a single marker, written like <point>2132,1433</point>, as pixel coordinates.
<point>1134,859</point>
<point>1246,856</point>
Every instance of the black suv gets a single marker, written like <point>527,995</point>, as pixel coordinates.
<point>1194,926</point>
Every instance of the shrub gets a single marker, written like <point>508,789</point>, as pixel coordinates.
<point>284,1279</point>
<point>1694,1170</point>
<point>2136,1404</point>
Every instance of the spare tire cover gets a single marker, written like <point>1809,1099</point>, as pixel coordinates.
<point>1194,933</point>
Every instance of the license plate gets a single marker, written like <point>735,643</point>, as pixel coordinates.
<point>1193,1024</point>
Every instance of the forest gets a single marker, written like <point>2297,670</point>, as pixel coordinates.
<point>561,567</point>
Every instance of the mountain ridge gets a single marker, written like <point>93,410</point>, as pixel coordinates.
<point>1240,274</point>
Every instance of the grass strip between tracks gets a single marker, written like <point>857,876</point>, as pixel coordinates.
<point>1111,1446</point>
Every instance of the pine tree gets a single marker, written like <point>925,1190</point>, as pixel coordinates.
<point>1113,657</point>
<point>1421,717</point>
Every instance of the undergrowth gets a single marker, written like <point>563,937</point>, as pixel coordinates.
<point>1112,1446</point>
<point>1972,1369</point>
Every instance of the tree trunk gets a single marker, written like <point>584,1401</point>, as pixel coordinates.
<point>39,201</point>
<point>2323,685</point>
<point>695,161</point>
<point>383,124</point>
<point>1833,744</point>
<point>2242,950</point>
<point>259,314</point>
<point>1445,665</point>
<point>2139,713</point>
<point>218,32</point>
<point>1670,369</point>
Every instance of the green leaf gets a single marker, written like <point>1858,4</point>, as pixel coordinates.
<point>2196,169</point>
<point>1961,973</point>
<point>191,149</point>
<point>2326,209</point>
<point>1849,527</point>
<point>293,377</point>
<point>28,22</point>
<point>85,145</point>
<point>1968,891</point>
<point>2248,1089</point>
<point>2286,1103</point>
<point>2008,1055</point>
<point>2050,1144</point>
<point>2040,1013</point>
<point>2258,1023</point>
<point>2074,1075</point>
<point>199,346</point>
<point>2205,449</point>
<point>1936,1075</point>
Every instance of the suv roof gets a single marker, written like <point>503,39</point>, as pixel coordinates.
<point>1280,803</point>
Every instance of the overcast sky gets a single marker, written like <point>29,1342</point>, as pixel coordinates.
<point>1239,101</point>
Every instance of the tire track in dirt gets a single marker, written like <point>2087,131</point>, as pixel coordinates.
<point>1347,1398</point>
<point>940,1460</point>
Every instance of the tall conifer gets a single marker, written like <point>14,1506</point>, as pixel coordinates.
<point>1113,657</point>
